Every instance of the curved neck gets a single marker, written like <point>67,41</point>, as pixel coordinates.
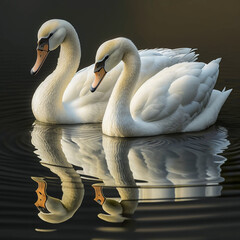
<point>47,102</point>
<point>116,155</point>
<point>118,108</point>
<point>125,85</point>
<point>47,142</point>
<point>116,152</point>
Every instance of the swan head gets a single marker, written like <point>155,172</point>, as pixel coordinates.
<point>108,55</point>
<point>50,36</point>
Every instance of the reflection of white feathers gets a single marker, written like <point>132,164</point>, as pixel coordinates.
<point>162,165</point>
<point>188,162</point>
<point>179,159</point>
<point>183,159</point>
<point>170,167</point>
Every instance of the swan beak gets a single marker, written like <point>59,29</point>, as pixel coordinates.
<point>41,57</point>
<point>99,75</point>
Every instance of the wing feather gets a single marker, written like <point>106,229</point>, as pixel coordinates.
<point>184,87</point>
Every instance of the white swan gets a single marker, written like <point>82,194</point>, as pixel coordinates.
<point>65,98</point>
<point>177,99</point>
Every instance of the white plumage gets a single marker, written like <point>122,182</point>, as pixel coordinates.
<point>179,98</point>
<point>64,96</point>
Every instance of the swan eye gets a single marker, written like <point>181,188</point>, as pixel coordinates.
<point>106,57</point>
<point>100,64</point>
<point>43,42</point>
<point>43,210</point>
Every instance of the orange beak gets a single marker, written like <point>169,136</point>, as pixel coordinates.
<point>98,78</point>
<point>41,57</point>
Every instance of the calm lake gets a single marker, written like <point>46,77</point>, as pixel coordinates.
<point>73,182</point>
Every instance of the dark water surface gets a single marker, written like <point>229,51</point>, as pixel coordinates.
<point>71,182</point>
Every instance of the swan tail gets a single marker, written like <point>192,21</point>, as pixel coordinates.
<point>209,115</point>
<point>218,60</point>
<point>185,55</point>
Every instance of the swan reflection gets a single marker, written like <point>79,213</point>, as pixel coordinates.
<point>173,167</point>
<point>47,141</point>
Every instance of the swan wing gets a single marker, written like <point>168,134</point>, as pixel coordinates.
<point>184,88</point>
<point>155,60</point>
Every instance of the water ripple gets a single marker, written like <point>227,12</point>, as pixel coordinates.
<point>173,185</point>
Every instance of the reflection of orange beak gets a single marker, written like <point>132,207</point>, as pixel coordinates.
<point>41,57</point>
<point>99,197</point>
<point>41,193</point>
<point>98,78</point>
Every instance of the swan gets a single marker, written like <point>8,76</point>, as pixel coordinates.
<point>180,98</point>
<point>64,96</point>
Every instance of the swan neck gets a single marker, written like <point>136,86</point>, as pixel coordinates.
<point>127,81</point>
<point>118,108</point>
<point>123,90</point>
<point>70,53</point>
<point>68,62</point>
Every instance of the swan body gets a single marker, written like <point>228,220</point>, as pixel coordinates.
<point>179,98</point>
<point>64,96</point>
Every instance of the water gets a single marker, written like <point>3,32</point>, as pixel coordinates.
<point>71,182</point>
